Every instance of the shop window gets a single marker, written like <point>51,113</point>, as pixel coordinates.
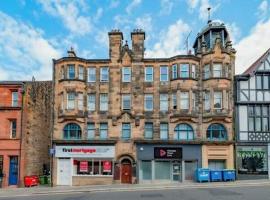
<point>93,167</point>
<point>148,130</point>
<point>148,71</point>
<point>71,71</point>
<point>216,132</point>
<point>162,170</point>
<point>183,132</point>
<point>72,131</point>
<point>146,169</point>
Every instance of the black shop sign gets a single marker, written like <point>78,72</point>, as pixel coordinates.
<point>167,153</point>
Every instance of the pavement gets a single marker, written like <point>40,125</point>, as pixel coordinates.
<point>116,188</point>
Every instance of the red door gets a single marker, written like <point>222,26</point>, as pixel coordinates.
<point>126,173</point>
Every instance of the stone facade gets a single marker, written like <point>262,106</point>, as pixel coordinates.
<point>191,112</point>
<point>37,126</point>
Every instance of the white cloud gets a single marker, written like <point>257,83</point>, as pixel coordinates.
<point>263,9</point>
<point>132,5</point>
<point>69,13</point>
<point>251,47</point>
<point>201,6</point>
<point>102,37</point>
<point>25,52</point>
<point>171,41</point>
<point>166,7</point>
<point>144,22</point>
<point>98,14</point>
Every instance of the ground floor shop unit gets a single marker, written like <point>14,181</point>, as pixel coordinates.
<point>252,161</point>
<point>217,156</point>
<point>167,163</point>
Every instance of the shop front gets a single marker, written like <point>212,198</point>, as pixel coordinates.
<point>84,165</point>
<point>167,163</point>
<point>252,162</point>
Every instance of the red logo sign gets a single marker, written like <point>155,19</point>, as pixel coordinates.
<point>162,152</point>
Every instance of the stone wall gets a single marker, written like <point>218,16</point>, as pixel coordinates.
<point>37,123</point>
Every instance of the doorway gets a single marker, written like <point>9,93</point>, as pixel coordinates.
<point>13,170</point>
<point>64,172</point>
<point>176,171</point>
<point>190,167</point>
<point>126,171</point>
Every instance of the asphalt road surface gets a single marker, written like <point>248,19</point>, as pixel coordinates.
<point>224,193</point>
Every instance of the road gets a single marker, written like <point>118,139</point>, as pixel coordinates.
<point>224,193</point>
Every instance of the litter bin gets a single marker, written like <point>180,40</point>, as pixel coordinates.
<point>30,181</point>
<point>216,175</point>
<point>228,175</point>
<point>42,180</point>
<point>202,174</point>
<point>48,179</point>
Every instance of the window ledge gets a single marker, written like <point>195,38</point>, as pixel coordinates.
<point>216,78</point>
<point>101,176</point>
<point>74,79</point>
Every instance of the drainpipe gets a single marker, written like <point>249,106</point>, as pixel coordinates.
<point>21,136</point>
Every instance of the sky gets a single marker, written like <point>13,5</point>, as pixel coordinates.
<point>33,32</point>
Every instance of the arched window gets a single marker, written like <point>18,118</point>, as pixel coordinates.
<point>72,131</point>
<point>216,132</point>
<point>183,132</point>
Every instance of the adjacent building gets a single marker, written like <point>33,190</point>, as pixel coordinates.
<point>131,119</point>
<point>10,132</point>
<point>252,121</point>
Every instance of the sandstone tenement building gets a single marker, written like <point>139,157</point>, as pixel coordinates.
<point>133,119</point>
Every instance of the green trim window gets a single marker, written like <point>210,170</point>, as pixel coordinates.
<point>126,131</point>
<point>72,131</point>
<point>183,132</point>
<point>216,132</point>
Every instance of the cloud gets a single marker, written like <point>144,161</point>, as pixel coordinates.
<point>263,9</point>
<point>69,13</point>
<point>114,4</point>
<point>171,41</point>
<point>102,37</point>
<point>132,5</point>
<point>98,14</point>
<point>25,52</point>
<point>201,6</point>
<point>144,22</point>
<point>251,47</point>
<point>166,7</point>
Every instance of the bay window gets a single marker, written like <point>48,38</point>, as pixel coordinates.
<point>184,70</point>
<point>218,100</point>
<point>81,72</point>
<point>174,71</point>
<point>71,100</point>
<point>206,71</point>
<point>217,70</point>
<point>164,76</point>
<point>71,71</point>
<point>80,101</point>
<point>184,100</point>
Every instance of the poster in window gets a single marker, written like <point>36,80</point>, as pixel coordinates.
<point>83,166</point>
<point>107,166</point>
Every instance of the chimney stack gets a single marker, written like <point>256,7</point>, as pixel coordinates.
<point>115,44</point>
<point>138,37</point>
